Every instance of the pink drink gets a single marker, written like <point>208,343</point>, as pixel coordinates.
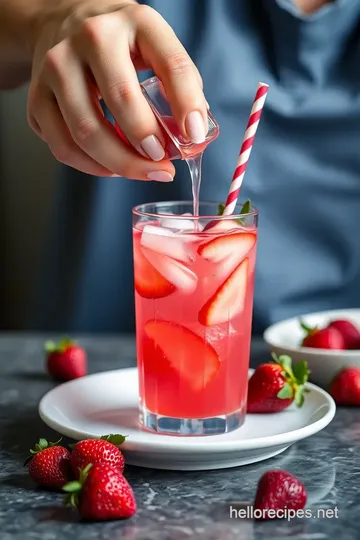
<point>194,298</point>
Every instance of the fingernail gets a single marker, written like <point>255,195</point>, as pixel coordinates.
<point>160,176</point>
<point>152,146</point>
<point>195,128</point>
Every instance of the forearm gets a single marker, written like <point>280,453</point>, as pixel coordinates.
<point>20,21</point>
<point>16,21</point>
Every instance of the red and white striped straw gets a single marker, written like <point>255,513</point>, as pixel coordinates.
<point>246,148</point>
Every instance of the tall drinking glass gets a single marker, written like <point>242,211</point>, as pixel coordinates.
<point>194,284</point>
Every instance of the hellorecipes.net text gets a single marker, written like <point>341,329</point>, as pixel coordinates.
<point>249,512</point>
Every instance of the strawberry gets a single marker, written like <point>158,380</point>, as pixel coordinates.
<point>149,283</point>
<point>322,338</point>
<point>101,493</point>
<point>50,465</point>
<point>349,332</point>
<point>236,246</point>
<point>279,490</point>
<point>97,451</point>
<point>345,387</point>
<point>228,300</point>
<point>65,360</point>
<point>274,386</point>
<point>197,368</point>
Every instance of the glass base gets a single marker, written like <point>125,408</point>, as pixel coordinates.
<point>191,426</point>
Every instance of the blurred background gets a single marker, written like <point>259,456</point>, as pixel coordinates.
<point>27,181</point>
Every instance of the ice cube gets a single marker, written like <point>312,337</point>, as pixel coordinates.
<point>217,333</point>
<point>178,224</point>
<point>166,242</point>
<point>174,271</point>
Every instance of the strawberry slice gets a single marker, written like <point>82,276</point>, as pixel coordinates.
<point>176,273</point>
<point>229,298</point>
<point>149,283</point>
<point>195,360</point>
<point>235,245</point>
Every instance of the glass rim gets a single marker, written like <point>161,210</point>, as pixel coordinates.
<point>138,212</point>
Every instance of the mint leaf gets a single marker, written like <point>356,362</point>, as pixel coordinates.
<point>221,209</point>
<point>245,209</point>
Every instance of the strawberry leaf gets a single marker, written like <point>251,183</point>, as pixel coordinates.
<point>115,439</point>
<point>56,443</point>
<point>286,392</point>
<point>308,329</point>
<point>301,372</point>
<point>299,396</point>
<point>84,472</point>
<point>72,487</point>
<point>65,343</point>
<point>39,447</point>
<point>285,362</point>
<point>50,347</point>
<point>42,444</point>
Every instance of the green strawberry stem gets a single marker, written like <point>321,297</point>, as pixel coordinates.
<point>295,377</point>
<point>60,346</point>
<point>73,488</point>
<point>308,329</point>
<point>246,209</point>
<point>39,447</point>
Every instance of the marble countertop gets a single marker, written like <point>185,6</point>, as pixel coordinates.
<point>172,505</point>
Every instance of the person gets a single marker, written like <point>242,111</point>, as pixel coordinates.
<point>304,170</point>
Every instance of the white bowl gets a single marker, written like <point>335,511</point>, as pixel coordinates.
<point>285,337</point>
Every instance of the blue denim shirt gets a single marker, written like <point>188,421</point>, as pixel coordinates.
<point>303,175</point>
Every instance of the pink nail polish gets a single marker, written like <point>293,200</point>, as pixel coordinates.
<point>160,176</point>
<point>195,127</point>
<point>152,147</point>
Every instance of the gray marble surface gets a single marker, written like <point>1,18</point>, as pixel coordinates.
<point>172,505</point>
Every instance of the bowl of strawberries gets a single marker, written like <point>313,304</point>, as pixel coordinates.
<point>329,341</point>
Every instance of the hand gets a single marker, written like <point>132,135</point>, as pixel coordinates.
<point>84,49</point>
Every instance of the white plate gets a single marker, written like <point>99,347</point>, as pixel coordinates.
<point>107,403</point>
<point>285,337</point>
